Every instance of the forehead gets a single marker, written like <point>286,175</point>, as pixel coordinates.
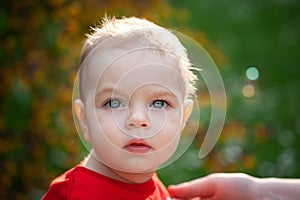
<point>140,62</point>
<point>139,68</point>
<point>125,69</point>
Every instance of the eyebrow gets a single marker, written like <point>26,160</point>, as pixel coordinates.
<point>105,90</point>
<point>158,93</point>
<point>163,93</point>
<point>108,90</point>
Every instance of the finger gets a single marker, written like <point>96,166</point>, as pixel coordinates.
<point>197,188</point>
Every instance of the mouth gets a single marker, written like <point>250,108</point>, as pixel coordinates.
<point>137,146</point>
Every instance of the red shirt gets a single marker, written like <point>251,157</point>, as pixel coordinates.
<point>82,183</point>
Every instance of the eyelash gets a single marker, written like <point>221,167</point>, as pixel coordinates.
<point>163,100</point>
<point>105,104</point>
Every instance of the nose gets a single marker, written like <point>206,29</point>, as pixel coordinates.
<point>138,118</point>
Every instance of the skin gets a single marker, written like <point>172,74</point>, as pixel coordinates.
<point>132,120</point>
<point>237,186</point>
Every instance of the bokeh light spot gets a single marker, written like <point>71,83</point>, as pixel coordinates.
<point>248,91</point>
<point>252,73</point>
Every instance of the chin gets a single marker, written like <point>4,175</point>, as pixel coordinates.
<point>144,167</point>
<point>138,165</point>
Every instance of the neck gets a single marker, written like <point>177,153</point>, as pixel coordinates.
<point>94,164</point>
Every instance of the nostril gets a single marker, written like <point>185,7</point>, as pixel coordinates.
<point>137,124</point>
<point>138,118</point>
<point>144,125</point>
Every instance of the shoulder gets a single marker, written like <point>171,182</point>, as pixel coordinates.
<point>61,186</point>
<point>80,183</point>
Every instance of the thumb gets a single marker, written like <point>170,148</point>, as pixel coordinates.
<point>197,188</point>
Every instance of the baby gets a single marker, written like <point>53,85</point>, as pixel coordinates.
<point>135,97</point>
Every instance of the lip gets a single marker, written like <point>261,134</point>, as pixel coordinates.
<point>137,146</point>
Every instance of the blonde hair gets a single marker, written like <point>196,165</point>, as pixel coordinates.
<point>127,32</point>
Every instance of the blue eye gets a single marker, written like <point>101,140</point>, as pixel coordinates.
<point>159,104</point>
<point>114,103</point>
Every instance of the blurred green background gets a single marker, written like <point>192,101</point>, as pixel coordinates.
<point>39,57</point>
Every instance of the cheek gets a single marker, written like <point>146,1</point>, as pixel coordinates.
<point>170,131</point>
<point>163,119</point>
<point>174,121</point>
<point>104,121</point>
<point>105,128</point>
<point>167,140</point>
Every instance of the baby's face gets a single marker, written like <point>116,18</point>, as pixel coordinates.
<point>136,111</point>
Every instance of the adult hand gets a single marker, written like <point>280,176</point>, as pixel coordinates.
<point>237,187</point>
<point>215,187</point>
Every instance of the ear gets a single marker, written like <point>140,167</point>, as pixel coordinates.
<point>188,108</point>
<point>80,113</point>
